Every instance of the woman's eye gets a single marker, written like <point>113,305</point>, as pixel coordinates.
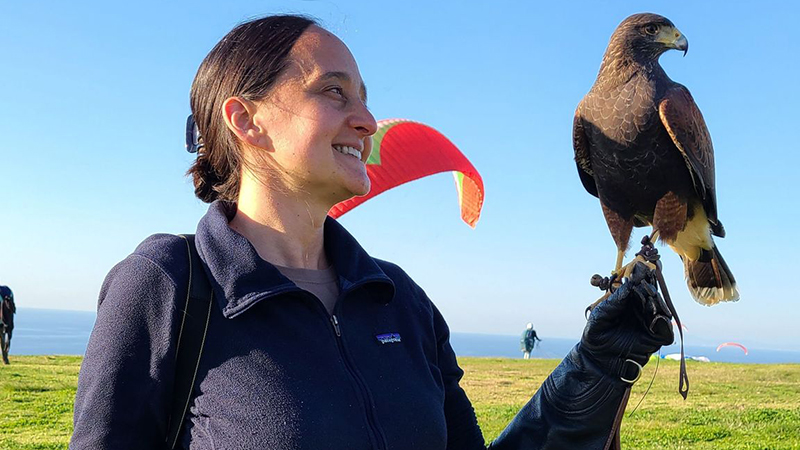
<point>651,29</point>
<point>337,91</point>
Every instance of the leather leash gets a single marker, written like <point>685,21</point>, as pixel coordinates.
<point>650,254</point>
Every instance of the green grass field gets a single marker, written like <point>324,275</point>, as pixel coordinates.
<point>730,406</point>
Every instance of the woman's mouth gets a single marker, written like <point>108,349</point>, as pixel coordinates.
<point>347,150</point>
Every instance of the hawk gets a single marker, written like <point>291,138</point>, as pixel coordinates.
<point>642,147</point>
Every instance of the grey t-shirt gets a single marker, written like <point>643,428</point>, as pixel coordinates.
<point>323,283</point>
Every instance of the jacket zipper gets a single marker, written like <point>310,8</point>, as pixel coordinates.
<point>371,419</point>
<point>335,323</point>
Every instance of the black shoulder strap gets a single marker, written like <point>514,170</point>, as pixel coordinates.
<point>192,336</point>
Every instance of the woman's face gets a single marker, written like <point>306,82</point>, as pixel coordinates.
<point>318,126</point>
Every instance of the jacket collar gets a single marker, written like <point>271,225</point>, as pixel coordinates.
<point>240,278</point>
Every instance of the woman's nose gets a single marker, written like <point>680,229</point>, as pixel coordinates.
<point>363,121</point>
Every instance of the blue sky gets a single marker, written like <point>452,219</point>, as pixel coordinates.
<point>95,95</point>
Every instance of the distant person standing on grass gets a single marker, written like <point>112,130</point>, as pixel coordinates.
<point>528,341</point>
<point>284,135</point>
<point>7,311</point>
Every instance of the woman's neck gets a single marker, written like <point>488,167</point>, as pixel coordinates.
<point>284,228</point>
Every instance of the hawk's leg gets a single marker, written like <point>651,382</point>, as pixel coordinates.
<point>669,217</point>
<point>646,255</point>
<point>648,245</point>
<point>618,265</point>
<point>653,236</point>
<point>620,229</point>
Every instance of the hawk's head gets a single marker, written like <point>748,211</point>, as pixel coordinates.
<point>644,37</point>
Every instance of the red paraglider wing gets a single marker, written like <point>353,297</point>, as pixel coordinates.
<point>733,344</point>
<point>674,323</point>
<point>404,151</point>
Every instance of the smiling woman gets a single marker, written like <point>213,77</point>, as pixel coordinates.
<point>311,343</point>
<point>307,130</point>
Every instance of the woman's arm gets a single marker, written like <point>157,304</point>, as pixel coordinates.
<point>577,404</point>
<point>463,432</point>
<point>125,382</point>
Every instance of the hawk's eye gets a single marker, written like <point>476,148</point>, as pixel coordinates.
<point>651,29</point>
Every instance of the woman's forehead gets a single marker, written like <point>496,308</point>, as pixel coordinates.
<point>318,53</point>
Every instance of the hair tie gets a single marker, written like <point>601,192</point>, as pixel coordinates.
<point>194,141</point>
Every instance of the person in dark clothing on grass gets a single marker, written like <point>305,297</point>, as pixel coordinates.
<point>528,341</point>
<point>7,311</point>
<point>285,133</point>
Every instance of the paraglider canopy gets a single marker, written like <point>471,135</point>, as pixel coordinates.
<point>404,151</point>
<point>733,344</point>
<point>674,323</point>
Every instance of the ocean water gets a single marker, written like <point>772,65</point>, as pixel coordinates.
<point>466,344</point>
<point>51,332</point>
<point>61,332</point>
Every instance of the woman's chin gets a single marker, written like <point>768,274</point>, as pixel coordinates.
<point>358,188</point>
<point>349,191</point>
<point>364,190</point>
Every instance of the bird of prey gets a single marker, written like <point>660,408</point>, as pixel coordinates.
<point>642,147</point>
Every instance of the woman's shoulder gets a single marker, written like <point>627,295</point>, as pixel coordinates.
<point>393,271</point>
<point>403,282</point>
<point>163,256</point>
<point>168,251</point>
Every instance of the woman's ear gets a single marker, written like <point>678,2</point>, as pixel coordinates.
<point>239,114</point>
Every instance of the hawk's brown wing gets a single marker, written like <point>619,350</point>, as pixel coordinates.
<point>583,159</point>
<point>687,128</point>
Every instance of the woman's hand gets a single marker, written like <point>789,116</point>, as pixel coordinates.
<point>577,405</point>
<point>630,325</point>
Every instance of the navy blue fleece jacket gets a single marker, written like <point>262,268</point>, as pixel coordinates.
<point>277,373</point>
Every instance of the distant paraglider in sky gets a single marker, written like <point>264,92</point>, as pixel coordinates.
<point>733,344</point>
<point>404,151</point>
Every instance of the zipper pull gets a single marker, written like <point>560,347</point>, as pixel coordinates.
<point>335,323</point>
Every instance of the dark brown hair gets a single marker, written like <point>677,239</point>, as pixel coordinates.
<point>245,63</point>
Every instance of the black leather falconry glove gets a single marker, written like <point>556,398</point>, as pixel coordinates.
<point>577,404</point>
<point>630,325</point>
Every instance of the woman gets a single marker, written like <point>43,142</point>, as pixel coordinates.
<point>281,109</point>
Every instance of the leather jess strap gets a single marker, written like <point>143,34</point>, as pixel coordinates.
<point>650,254</point>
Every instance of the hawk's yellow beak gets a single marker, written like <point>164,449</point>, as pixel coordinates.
<point>673,38</point>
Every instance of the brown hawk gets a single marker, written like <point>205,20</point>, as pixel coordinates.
<point>642,147</point>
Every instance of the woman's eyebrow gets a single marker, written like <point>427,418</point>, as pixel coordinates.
<point>346,78</point>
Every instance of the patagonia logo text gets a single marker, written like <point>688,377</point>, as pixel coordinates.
<point>388,338</point>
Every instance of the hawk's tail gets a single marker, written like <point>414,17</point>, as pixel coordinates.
<point>709,278</point>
